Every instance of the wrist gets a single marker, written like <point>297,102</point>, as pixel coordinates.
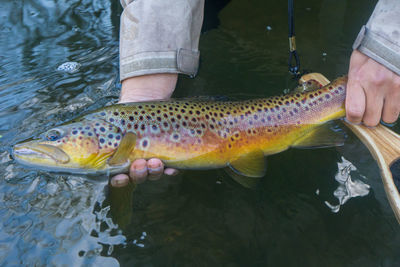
<point>148,87</point>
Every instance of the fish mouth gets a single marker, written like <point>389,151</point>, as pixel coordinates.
<point>33,151</point>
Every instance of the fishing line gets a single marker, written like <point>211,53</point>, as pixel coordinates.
<point>294,67</point>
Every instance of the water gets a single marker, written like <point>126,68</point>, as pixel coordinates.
<point>322,207</point>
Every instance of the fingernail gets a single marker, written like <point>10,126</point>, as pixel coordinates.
<point>170,172</point>
<point>155,170</point>
<point>140,171</point>
<point>352,123</point>
<point>117,182</point>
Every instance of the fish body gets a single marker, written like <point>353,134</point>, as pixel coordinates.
<point>187,134</point>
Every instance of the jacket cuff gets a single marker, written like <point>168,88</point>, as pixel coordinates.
<point>181,61</point>
<point>379,49</point>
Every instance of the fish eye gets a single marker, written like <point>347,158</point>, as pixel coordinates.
<point>54,134</point>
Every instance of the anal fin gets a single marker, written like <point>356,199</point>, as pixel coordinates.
<point>321,136</point>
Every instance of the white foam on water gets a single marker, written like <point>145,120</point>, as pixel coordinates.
<point>348,188</point>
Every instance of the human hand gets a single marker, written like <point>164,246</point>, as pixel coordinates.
<point>373,92</point>
<point>145,88</point>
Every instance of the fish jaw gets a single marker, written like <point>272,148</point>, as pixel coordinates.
<point>49,157</point>
<point>76,150</point>
<point>39,154</point>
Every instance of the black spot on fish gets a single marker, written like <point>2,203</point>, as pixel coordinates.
<point>144,143</point>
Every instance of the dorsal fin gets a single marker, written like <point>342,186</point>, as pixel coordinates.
<point>310,85</point>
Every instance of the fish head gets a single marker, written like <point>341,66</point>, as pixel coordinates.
<point>79,147</point>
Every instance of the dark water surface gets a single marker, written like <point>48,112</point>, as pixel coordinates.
<point>321,207</point>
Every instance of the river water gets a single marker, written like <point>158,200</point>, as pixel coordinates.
<point>324,207</point>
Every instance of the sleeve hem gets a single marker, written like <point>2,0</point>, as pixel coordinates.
<point>379,49</point>
<point>181,61</point>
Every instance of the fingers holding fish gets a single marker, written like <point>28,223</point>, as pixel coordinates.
<point>391,109</point>
<point>138,171</point>
<point>373,92</point>
<point>119,180</point>
<point>155,169</point>
<point>355,102</point>
<point>142,170</point>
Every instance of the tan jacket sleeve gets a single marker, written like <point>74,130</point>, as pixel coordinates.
<point>380,38</point>
<point>160,36</point>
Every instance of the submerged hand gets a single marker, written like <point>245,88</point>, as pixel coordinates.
<point>373,92</point>
<point>141,170</point>
<point>145,88</point>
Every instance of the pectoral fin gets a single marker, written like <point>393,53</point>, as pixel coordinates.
<point>247,168</point>
<point>126,146</point>
<point>322,136</point>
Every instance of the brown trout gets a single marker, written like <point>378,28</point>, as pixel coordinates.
<point>188,134</point>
